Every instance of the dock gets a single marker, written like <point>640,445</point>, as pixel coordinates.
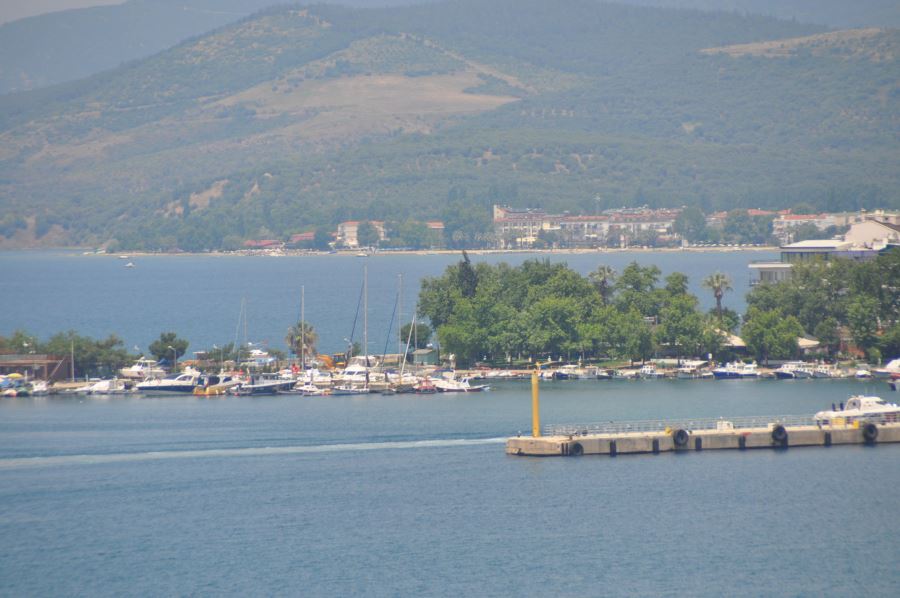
<point>661,436</point>
<point>675,439</point>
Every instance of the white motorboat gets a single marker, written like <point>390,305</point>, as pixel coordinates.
<point>445,385</point>
<point>650,372</point>
<point>861,408</point>
<point>310,390</point>
<point>113,386</point>
<point>142,369</point>
<point>185,382</point>
<point>892,367</point>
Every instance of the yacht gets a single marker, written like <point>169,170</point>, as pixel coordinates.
<point>185,382</point>
<point>861,408</point>
<point>142,369</point>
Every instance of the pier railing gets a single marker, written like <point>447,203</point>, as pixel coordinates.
<point>661,425</point>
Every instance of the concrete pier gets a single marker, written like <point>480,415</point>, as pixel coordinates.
<point>725,436</point>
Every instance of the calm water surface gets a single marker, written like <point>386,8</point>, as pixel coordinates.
<point>413,496</point>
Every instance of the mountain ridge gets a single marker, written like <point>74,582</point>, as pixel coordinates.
<point>386,113</point>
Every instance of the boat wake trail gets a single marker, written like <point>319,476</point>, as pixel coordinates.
<point>97,459</point>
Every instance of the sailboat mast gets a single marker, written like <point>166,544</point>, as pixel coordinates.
<point>399,313</point>
<point>366,314</point>
<point>303,328</point>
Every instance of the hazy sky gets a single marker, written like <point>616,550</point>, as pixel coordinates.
<point>10,10</point>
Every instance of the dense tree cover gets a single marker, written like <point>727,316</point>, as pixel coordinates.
<point>771,333</point>
<point>613,102</point>
<point>825,296</point>
<point>93,357</point>
<point>540,310</point>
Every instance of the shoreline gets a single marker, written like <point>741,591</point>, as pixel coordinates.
<point>83,252</point>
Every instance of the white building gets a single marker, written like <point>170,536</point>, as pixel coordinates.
<point>873,234</point>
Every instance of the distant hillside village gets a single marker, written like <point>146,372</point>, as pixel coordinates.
<point>534,228</point>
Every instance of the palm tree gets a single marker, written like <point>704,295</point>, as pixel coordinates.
<point>602,278</point>
<point>719,284</point>
<point>302,339</point>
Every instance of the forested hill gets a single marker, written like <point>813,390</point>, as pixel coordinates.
<point>67,45</point>
<point>297,117</point>
<point>834,13</point>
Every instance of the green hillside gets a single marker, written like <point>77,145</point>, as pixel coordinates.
<point>299,117</point>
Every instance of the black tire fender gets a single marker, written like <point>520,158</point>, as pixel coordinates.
<point>680,437</point>
<point>870,432</point>
<point>779,434</point>
<point>575,449</point>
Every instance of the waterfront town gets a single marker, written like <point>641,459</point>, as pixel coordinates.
<point>623,228</point>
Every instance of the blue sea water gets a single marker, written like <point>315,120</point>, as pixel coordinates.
<point>414,496</point>
<point>200,296</point>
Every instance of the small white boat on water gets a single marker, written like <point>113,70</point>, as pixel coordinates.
<point>649,372</point>
<point>861,408</point>
<point>310,390</point>
<point>113,386</point>
<point>445,385</point>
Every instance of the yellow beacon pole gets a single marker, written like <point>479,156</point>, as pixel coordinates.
<point>535,406</point>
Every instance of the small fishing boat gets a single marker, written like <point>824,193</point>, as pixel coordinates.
<point>345,389</point>
<point>649,372</point>
<point>736,370</point>
<point>15,385</point>
<point>425,387</point>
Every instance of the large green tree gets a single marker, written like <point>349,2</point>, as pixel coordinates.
<point>771,334</point>
<point>367,235</point>
<point>167,344</point>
